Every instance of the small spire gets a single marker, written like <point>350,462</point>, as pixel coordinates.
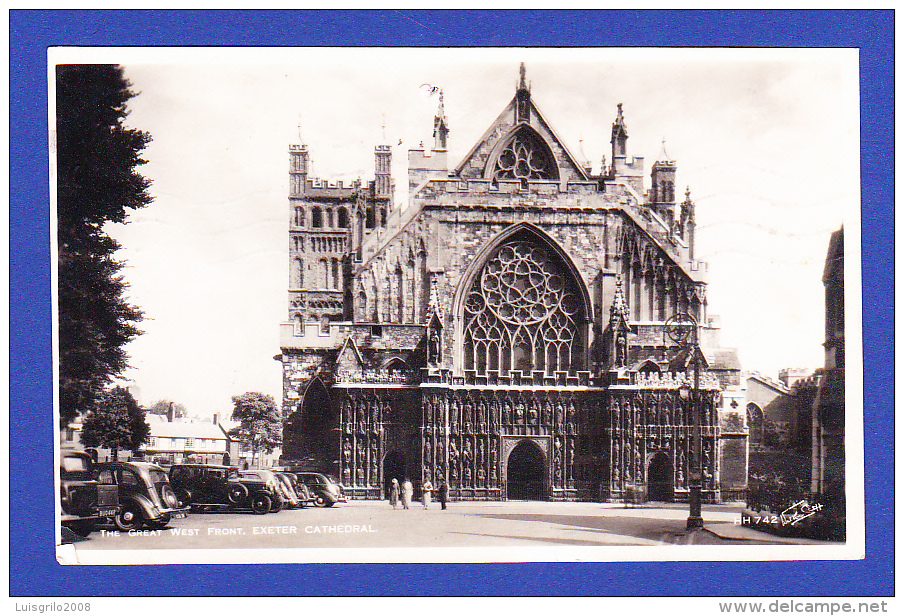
<point>440,127</point>
<point>433,306</point>
<point>663,155</point>
<point>619,307</point>
<point>687,209</point>
<point>522,98</point>
<point>619,135</point>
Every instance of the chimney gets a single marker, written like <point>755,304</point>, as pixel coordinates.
<point>216,416</point>
<point>170,413</point>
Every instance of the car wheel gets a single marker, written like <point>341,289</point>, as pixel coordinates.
<point>320,501</point>
<point>237,494</point>
<point>261,504</point>
<point>129,517</point>
<point>276,505</point>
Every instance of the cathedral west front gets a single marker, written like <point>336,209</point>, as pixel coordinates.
<point>507,330</point>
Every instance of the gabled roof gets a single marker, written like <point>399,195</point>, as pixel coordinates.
<point>349,356</point>
<point>774,385</point>
<point>178,429</point>
<point>505,124</point>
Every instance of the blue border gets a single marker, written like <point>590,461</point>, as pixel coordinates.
<point>33,568</point>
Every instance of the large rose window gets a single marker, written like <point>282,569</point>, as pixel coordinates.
<point>523,312</point>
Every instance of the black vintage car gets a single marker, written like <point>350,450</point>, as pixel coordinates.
<point>145,495</point>
<point>208,486</point>
<point>289,499</point>
<point>84,502</point>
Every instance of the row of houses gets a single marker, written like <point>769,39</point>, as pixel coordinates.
<point>175,440</point>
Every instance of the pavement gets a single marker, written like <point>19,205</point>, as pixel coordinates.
<point>509,524</point>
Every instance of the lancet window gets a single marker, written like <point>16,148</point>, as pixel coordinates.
<point>524,312</point>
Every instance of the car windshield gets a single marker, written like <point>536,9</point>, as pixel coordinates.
<point>74,464</point>
<point>157,476</point>
<point>333,479</point>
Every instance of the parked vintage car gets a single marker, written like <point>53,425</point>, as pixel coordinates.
<point>270,478</point>
<point>84,502</point>
<point>145,494</point>
<point>289,493</point>
<point>325,488</point>
<point>209,486</point>
<point>305,497</point>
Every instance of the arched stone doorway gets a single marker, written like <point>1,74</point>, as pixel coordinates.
<point>659,478</point>
<point>393,467</point>
<point>526,474</point>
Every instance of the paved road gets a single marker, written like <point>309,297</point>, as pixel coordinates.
<point>497,524</point>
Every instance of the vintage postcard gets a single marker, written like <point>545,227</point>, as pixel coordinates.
<point>456,305</point>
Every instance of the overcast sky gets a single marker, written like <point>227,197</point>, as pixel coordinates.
<point>767,140</point>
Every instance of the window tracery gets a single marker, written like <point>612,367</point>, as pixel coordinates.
<point>523,312</point>
<point>524,158</point>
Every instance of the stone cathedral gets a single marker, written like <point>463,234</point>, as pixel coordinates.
<point>505,330</point>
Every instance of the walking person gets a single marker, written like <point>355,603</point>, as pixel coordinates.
<point>427,493</point>
<point>407,492</point>
<point>394,493</point>
<point>443,493</point>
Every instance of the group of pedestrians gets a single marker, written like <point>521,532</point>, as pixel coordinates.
<point>405,492</point>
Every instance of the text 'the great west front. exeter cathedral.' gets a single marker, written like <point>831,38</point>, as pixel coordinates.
<point>506,330</point>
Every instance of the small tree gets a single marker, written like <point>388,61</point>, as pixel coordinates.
<point>116,422</point>
<point>161,407</point>
<point>260,424</point>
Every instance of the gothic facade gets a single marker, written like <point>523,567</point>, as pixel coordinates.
<point>504,332</point>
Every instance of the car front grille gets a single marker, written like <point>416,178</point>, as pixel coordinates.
<point>82,500</point>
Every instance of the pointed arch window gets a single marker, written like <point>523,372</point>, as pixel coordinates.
<point>525,157</point>
<point>524,312</point>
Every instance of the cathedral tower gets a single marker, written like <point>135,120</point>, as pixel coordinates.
<point>662,188</point>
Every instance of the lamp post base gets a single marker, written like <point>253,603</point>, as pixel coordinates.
<point>695,514</point>
<point>694,521</point>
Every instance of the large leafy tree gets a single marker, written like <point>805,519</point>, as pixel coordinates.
<point>97,183</point>
<point>260,423</point>
<point>116,422</point>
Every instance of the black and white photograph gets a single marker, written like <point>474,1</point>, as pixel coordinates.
<point>322,305</point>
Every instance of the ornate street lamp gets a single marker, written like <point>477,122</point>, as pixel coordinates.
<point>682,329</point>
